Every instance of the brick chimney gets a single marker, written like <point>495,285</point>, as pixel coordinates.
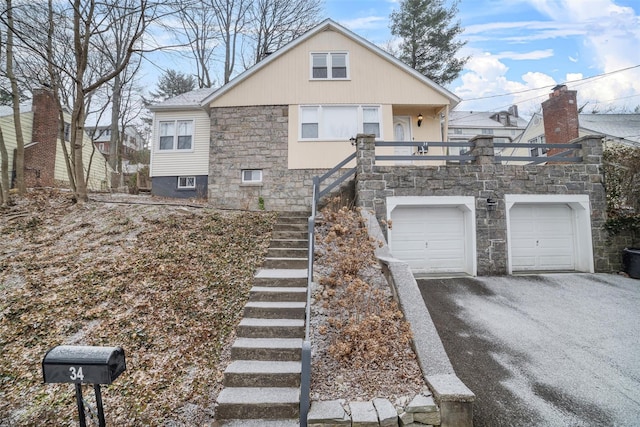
<point>40,154</point>
<point>560,114</point>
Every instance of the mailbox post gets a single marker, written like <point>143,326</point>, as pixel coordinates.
<point>79,365</point>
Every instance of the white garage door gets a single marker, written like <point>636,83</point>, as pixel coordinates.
<point>429,239</point>
<point>542,237</point>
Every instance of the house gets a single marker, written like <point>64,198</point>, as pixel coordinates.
<point>264,135</point>
<point>504,126</point>
<point>132,142</point>
<point>44,161</point>
<point>560,123</point>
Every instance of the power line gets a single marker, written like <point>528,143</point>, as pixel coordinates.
<point>598,76</point>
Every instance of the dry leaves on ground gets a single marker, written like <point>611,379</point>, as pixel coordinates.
<point>167,283</point>
<point>361,341</point>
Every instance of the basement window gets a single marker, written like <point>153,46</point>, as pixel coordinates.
<point>186,182</point>
<point>251,176</point>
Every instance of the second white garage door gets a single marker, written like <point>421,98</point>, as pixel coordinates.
<point>430,239</point>
<point>542,237</point>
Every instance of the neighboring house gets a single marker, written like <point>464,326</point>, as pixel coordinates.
<point>132,140</point>
<point>265,134</point>
<point>560,123</point>
<point>44,163</point>
<point>504,126</point>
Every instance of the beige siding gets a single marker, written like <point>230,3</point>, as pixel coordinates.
<point>174,163</point>
<point>9,133</point>
<point>374,80</point>
<point>99,170</point>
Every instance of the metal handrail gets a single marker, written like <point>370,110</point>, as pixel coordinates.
<point>317,194</point>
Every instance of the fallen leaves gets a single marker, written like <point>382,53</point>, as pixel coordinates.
<point>167,283</point>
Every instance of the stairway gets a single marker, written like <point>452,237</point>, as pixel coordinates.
<point>262,382</point>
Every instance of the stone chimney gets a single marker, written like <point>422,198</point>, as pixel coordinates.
<point>560,114</point>
<point>513,110</point>
<point>40,153</point>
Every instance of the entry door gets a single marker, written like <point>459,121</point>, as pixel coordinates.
<point>542,237</point>
<point>429,239</point>
<point>402,132</point>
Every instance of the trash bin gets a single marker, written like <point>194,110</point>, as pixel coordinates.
<point>631,262</point>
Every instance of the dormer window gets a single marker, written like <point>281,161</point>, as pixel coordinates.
<point>329,66</point>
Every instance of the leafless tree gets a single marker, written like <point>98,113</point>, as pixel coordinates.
<point>15,95</point>
<point>275,23</point>
<point>198,29</point>
<point>231,16</point>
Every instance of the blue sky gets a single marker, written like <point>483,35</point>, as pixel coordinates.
<point>519,49</point>
<point>520,45</point>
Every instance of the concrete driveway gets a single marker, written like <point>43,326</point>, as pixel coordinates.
<point>543,350</point>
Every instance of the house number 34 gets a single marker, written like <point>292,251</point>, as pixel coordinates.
<point>76,374</point>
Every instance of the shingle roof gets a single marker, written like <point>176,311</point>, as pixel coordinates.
<point>478,119</point>
<point>625,126</point>
<point>192,99</point>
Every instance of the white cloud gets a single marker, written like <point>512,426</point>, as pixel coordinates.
<point>366,23</point>
<point>521,56</point>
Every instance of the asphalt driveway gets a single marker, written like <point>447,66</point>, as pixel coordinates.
<point>543,350</point>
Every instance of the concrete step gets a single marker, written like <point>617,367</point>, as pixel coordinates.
<point>292,226</point>
<point>293,216</point>
<point>275,310</point>
<point>273,293</point>
<point>296,235</point>
<point>271,328</point>
<point>258,402</point>
<point>287,253</point>
<point>280,281</point>
<point>280,349</point>
<point>289,243</point>
<point>260,373</point>
<point>285,263</point>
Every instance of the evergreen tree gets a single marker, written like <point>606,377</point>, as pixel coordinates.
<point>428,36</point>
<point>173,83</point>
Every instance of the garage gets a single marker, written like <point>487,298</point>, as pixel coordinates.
<point>434,235</point>
<point>549,233</point>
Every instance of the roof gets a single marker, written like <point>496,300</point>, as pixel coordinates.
<point>623,126</point>
<point>479,119</point>
<point>323,26</point>
<point>188,100</point>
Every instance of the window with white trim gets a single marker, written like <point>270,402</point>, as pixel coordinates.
<point>339,122</point>
<point>186,182</point>
<point>175,135</point>
<point>251,176</point>
<point>329,66</point>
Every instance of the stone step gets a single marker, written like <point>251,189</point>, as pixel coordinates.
<point>258,402</point>
<point>281,349</point>
<point>274,293</point>
<point>259,423</point>
<point>296,235</point>
<point>271,328</point>
<point>289,243</point>
<point>285,263</point>
<point>275,310</point>
<point>260,373</point>
<point>292,226</point>
<point>288,253</point>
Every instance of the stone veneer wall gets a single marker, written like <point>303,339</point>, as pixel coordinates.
<point>255,137</point>
<point>485,180</point>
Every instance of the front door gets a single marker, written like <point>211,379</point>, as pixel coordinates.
<point>402,132</point>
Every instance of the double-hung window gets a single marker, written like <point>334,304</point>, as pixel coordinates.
<point>176,135</point>
<point>338,122</point>
<point>329,66</point>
